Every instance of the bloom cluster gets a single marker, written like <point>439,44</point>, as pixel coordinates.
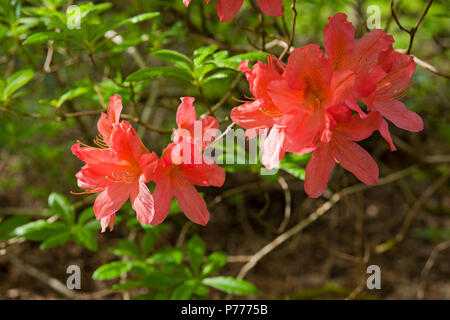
<point>325,103</point>
<point>227,9</point>
<point>318,102</point>
<point>121,165</point>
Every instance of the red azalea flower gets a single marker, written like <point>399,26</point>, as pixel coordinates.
<point>227,9</point>
<point>118,169</point>
<point>262,113</point>
<point>382,75</point>
<point>109,120</point>
<point>310,86</point>
<point>182,166</point>
<point>201,131</point>
<point>341,148</point>
<point>175,177</point>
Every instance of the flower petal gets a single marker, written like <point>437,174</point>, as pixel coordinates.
<point>341,86</point>
<point>358,129</point>
<point>271,145</point>
<point>384,131</point>
<point>272,8</point>
<point>227,9</point>
<point>308,68</point>
<point>92,155</point>
<point>148,163</point>
<point>302,132</point>
<point>142,203</point>
<point>210,127</point>
<point>283,97</point>
<point>355,159</point>
<point>162,196</point>
<point>114,109</point>
<point>396,112</point>
<point>186,113</point>
<point>108,220</point>
<point>204,174</point>
<point>339,38</point>
<point>250,116</point>
<point>110,200</point>
<point>192,204</point>
<point>126,143</point>
<point>318,170</point>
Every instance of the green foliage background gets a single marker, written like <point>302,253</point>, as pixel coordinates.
<point>159,51</point>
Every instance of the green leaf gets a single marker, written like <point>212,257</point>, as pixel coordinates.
<point>231,285</point>
<point>160,72</point>
<point>298,172</point>
<point>136,19</point>
<point>196,251</point>
<point>85,237</point>
<point>253,56</point>
<point>7,227</point>
<point>94,225</point>
<point>148,240</point>
<point>202,53</point>
<point>41,37</point>
<point>17,80</point>
<point>214,262</point>
<point>127,285</point>
<point>111,270</point>
<point>71,94</point>
<point>126,248</point>
<point>431,233</point>
<point>61,206</point>
<point>184,291</point>
<point>86,215</point>
<point>167,256</point>
<point>55,240</point>
<point>201,291</point>
<point>39,230</point>
<point>162,278</point>
<point>295,164</point>
<point>174,57</point>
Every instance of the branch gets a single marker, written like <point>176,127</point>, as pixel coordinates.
<point>412,31</point>
<point>65,116</point>
<point>316,215</point>
<point>426,195</point>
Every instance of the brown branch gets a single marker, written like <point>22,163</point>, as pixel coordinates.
<point>316,215</point>
<point>413,30</point>
<point>428,265</point>
<point>292,37</point>
<point>65,116</point>
<point>427,66</point>
<point>394,15</point>
<point>426,195</point>
<point>100,71</point>
<point>287,208</point>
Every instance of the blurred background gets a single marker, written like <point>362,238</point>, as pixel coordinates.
<point>56,79</point>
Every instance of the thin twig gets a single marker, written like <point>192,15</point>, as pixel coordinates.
<point>426,195</point>
<point>413,30</point>
<point>292,37</point>
<point>428,265</point>
<point>287,208</point>
<point>316,215</point>
<point>65,116</point>
<point>226,96</point>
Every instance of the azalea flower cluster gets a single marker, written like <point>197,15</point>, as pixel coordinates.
<point>227,9</point>
<point>318,102</point>
<point>120,166</point>
<point>325,103</point>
